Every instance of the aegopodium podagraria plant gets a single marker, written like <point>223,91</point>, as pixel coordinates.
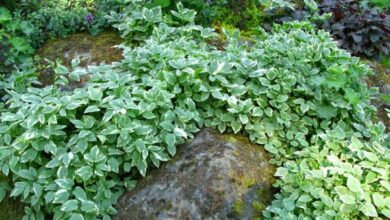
<point>71,154</point>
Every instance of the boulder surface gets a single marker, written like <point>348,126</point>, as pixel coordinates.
<point>213,177</point>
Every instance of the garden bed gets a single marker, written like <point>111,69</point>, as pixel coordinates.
<point>77,129</point>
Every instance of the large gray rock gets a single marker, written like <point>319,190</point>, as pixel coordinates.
<point>213,177</point>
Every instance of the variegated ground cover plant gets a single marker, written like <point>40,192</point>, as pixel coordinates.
<point>73,153</point>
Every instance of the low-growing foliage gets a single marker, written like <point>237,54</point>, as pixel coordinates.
<point>73,153</point>
<point>336,178</point>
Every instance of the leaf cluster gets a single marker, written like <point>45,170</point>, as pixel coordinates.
<point>362,30</point>
<point>336,178</point>
<point>72,153</point>
<point>15,48</point>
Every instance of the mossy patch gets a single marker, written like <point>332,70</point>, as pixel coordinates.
<point>238,207</point>
<point>11,209</point>
<point>260,204</point>
<point>385,62</point>
<point>258,208</point>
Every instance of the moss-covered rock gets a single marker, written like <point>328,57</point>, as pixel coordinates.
<point>381,80</point>
<point>213,177</point>
<point>90,49</point>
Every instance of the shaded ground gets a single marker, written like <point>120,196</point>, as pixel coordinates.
<point>10,209</point>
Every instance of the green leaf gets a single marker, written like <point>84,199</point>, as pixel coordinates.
<point>95,94</point>
<point>85,172</point>
<point>161,156</point>
<point>243,118</point>
<point>269,112</point>
<point>61,196</point>
<point>18,189</point>
<point>348,199</point>
<point>369,210</point>
<point>326,111</point>
<point>305,198</point>
<point>180,132</point>
<point>70,205</point>
<point>65,183</point>
<point>89,206</point>
<point>282,98</point>
<point>28,155</point>
<point>114,164</point>
<point>216,67</point>
<point>327,200</point>
<point>5,15</point>
<point>76,216</point>
<point>142,166</point>
<point>170,140</point>
<point>20,45</point>
<point>386,212</point>
<point>257,112</point>
<point>236,126</point>
<point>92,108</point>
<point>140,145</point>
<point>37,189</point>
<point>27,174</point>
<point>75,62</point>
<point>161,3</point>
<point>354,184</point>
<point>379,200</point>
<point>84,133</point>
<point>107,116</point>
<point>79,193</point>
